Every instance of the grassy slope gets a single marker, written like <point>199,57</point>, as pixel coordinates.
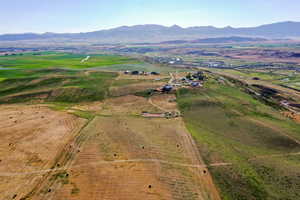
<point>57,85</point>
<point>230,126</point>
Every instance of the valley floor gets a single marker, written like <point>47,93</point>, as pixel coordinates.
<point>91,141</point>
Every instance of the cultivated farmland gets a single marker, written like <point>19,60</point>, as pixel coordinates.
<point>61,60</point>
<point>93,129</point>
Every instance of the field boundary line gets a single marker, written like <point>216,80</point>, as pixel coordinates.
<point>7,174</point>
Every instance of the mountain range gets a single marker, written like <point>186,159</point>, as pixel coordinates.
<point>159,33</point>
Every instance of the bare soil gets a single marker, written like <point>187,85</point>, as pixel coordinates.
<point>292,115</point>
<point>164,102</point>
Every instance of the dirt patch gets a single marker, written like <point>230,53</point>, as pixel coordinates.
<point>165,102</point>
<point>292,115</point>
<point>92,107</point>
<point>126,105</point>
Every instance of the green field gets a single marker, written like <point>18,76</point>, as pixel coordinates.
<point>59,77</point>
<point>230,126</point>
<point>54,85</point>
<point>62,77</point>
<point>61,60</point>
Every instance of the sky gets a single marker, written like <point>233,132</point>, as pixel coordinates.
<point>39,16</point>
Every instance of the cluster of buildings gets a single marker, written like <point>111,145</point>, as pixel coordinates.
<point>140,73</point>
<point>193,80</point>
<point>165,60</point>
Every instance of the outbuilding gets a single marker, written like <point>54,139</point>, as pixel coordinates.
<point>167,88</point>
<point>154,73</point>
<point>195,84</point>
<point>135,72</point>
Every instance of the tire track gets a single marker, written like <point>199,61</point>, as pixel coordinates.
<point>156,106</point>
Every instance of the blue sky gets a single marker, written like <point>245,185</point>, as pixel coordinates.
<point>87,15</point>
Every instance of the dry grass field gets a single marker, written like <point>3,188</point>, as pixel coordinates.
<point>129,157</point>
<point>116,155</point>
<point>31,138</point>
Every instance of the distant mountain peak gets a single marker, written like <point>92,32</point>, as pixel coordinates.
<point>175,26</point>
<point>228,27</point>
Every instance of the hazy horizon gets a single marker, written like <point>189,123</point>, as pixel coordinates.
<point>142,25</point>
<point>65,16</point>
